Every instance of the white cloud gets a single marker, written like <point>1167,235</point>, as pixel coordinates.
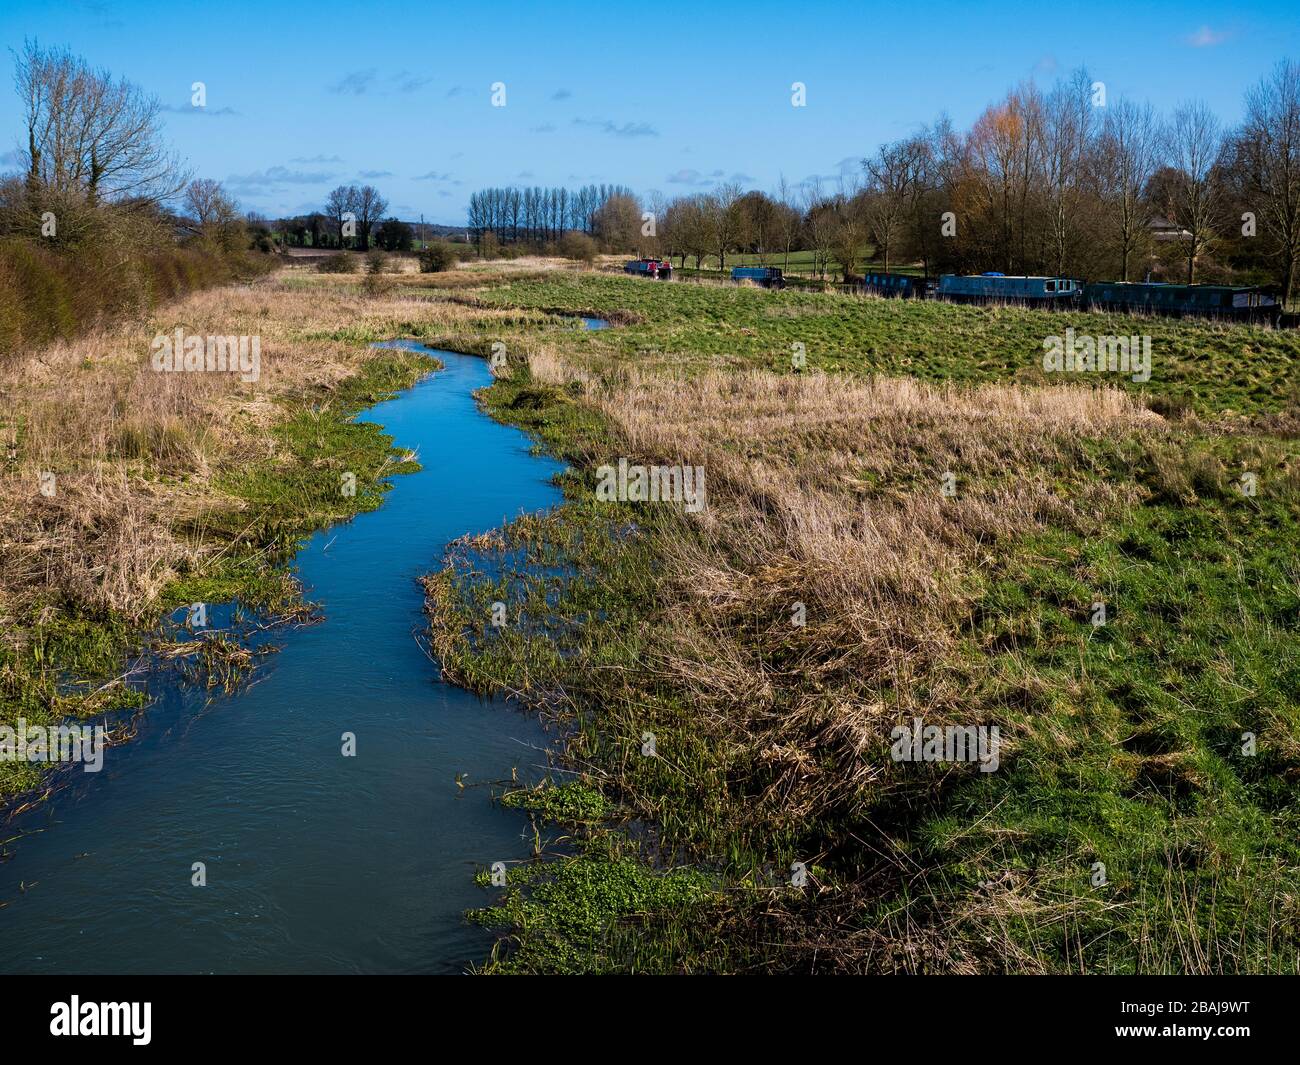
<point>627,129</point>
<point>1207,38</point>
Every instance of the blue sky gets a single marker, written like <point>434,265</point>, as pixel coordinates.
<point>661,96</point>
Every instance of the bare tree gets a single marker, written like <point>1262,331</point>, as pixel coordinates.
<point>370,208</point>
<point>819,225</point>
<point>849,230</point>
<point>340,206</point>
<point>788,218</point>
<point>90,135</point>
<point>1128,153</point>
<point>207,203</point>
<point>756,223</point>
<point>1272,141</point>
<point>1001,146</point>
<point>1193,142</point>
<point>687,232</point>
<point>617,223</point>
<point>722,220</point>
<point>1066,133</point>
<point>653,243</point>
<point>893,174</point>
<point>213,215</point>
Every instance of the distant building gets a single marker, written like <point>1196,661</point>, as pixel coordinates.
<point>1164,230</point>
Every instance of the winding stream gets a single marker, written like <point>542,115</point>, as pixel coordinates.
<point>315,862</point>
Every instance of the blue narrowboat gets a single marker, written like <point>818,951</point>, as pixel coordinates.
<point>767,276</point>
<point>901,286</point>
<point>1004,288</point>
<point>1240,302</point>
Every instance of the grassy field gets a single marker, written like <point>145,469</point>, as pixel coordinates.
<point>1143,817</point>
<point>941,516</point>
<point>800,263</point>
<point>803,263</point>
<point>1200,366</point>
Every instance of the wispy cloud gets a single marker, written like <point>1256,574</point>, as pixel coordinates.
<point>211,112</point>
<point>407,82</point>
<point>356,83</point>
<point>561,94</point>
<point>102,11</point>
<point>1206,37</point>
<point>368,81</point>
<point>545,127</point>
<point>435,175</point>
<point>373,174</point>
<point>691,176</point>
<point>275,176</point>
<point>613,129</point>
<point>816,181</point>
<point>315,159</point>
<point>688,177</point>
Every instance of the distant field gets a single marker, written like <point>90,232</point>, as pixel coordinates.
<point>1209,367</point>
<point>801,263</point>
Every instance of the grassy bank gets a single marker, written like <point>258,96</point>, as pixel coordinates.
<point>172,488</point>
<point>48,295</point>
<point>1143,815</point>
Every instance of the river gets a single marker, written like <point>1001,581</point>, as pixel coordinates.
<point>315,862</point>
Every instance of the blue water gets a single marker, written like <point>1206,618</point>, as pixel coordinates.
<point>315,862</point>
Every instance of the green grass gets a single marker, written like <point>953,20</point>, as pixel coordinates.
<point>600,911</point>
<point>320,442</point>
<point>1137,759</point>
<point>1211,368</point>
<point>1127,738</point>
<point>803,263</point>
<point>571,802</point>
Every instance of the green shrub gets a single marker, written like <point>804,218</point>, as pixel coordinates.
<point>340,262</point>
<point>56,293</point>
<point>438,256</point>
<point>578,246</point>
<point>44,305</point>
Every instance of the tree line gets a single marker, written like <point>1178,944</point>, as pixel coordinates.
<point>1057,181</point>
<point>351,217</point>
<point>537,216</point>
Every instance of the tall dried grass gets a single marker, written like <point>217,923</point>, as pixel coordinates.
<point>136,452</point>
<point>826,491</point>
